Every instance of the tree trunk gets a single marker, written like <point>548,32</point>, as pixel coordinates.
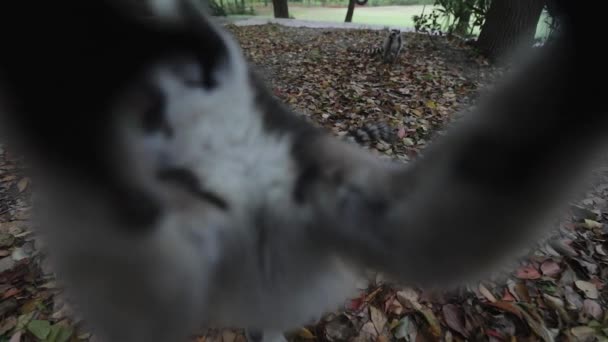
<point>243,6</point>
<point>350,11</point>
<point>280,8</point>
<point>509,23</point>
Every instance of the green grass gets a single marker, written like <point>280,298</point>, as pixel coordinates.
<point>383,15</point>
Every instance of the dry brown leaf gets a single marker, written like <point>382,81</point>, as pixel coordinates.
<point>512,286</point>
<point>588,289</point>
<point>574,300</point>
<point>508,307</point>
<point>408,298</point>
<point>7,324</point>
<point>369,329</point>
<point>527,272</point>
<point>583,333</point>
<point>592,309</point>
<point>550,268</point>
<point>522,292</point>
<point>395,307</point>
<point>23,183</point>
<point>16,337</point>
<point>486,293</point>
<point>538,326</point>
<point>454,318</point>
<point>378,318</point>
<point>558,305</point>
<point>435,327</point>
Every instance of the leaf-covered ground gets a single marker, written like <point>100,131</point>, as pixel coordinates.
<point>556,292</point>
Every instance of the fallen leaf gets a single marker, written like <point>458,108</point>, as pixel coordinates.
<point>39,328</point>
<point>550,268</point>
<point>19,254</point>
<point>558,305</point>
<point>435,327</point>
<point>10,292</point>
<point>588,289</point>
<point>16,337</point>
<point>508,307</point>
<point>401,133</point>
<point>7,306</point>
<point>395,307</point>
<point>592,309</point>
<point>340,328</point>
<point>453,317</point>
<point>527,272</point>
<point>592,224</point>
<point>29,306</point>
<point>24,320</point>
<point>369,329</point>
<point>512,286</point>
<point>378,318</point>
<point>373,294</point>
<point>538,327</point>
<point>574,300</point>
<point>7,324</point>
<point>406,330</point>
<point>6,240</point>
<point>61,333</point>
<point>409,298</point>
<point>583,333</point>
<point>486,293</point>
<point>23,183</point>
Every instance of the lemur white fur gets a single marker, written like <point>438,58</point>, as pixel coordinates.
<point>234,214</point>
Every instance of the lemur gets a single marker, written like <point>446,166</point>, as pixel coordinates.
<point>175,192</point>
<point>390,49</point>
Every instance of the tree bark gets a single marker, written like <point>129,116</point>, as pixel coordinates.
<point>508,24</point>
<point>280,8</point>
<point>350,11</point>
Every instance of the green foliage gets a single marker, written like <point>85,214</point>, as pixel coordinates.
<point>453,16</point>
<point>227,7</point>
<point>427,22</point>
<point>217,9</point>
<point>399,2</point>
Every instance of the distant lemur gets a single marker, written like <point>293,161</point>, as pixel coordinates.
<point>390,49</point>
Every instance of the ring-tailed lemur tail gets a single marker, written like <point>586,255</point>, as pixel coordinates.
<point>177,192</point>
<point>372,132</point>
<point>390,49</point>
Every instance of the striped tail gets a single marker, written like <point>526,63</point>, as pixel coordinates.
<point>368,50</point>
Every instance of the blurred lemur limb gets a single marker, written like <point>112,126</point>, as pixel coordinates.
<point>177,193</point>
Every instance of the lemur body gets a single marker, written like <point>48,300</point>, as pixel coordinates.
<point>169,204</point>
<point>390,49</point>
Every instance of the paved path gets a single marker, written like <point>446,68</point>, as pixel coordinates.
<point>310,24</point>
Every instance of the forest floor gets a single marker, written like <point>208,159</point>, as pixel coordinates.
<point>555,292</point>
